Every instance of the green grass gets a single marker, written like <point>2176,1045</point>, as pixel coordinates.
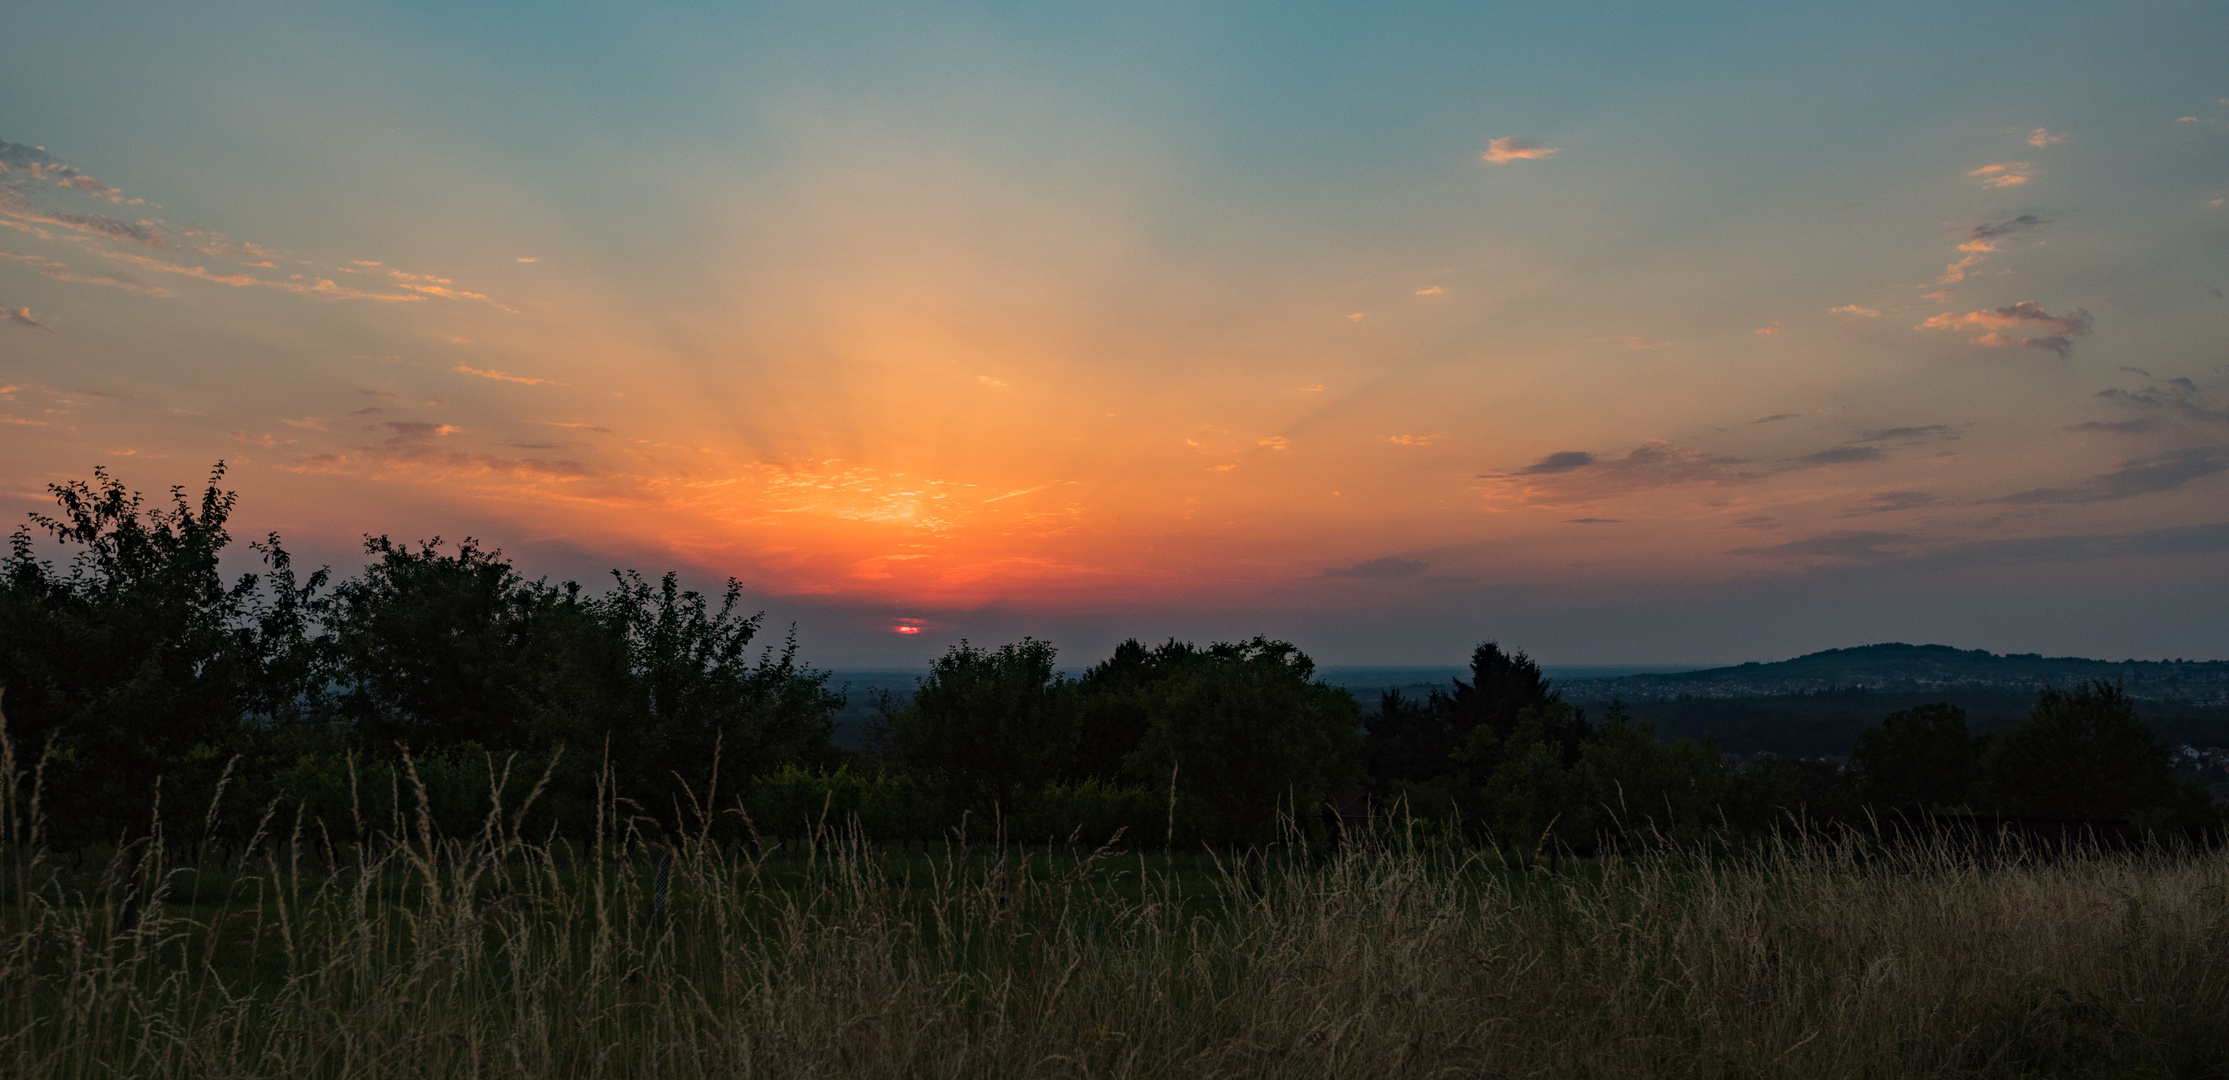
<point>495,955</point>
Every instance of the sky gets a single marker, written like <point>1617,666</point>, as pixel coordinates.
<point>1622,334</point>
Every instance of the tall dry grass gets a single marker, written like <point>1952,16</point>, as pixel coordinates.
<point>498,955</point>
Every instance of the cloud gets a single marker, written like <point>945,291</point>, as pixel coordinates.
<point>1575,475</point>
<point>1984,237</point>
<point>2136,476</point>
<point>1898,434</point>
<point>2118,427</point>
<point>1885,502</point>
<point>2052,332</point>
<point>1357,316</point>
<point>1853,309</point>
<point>1385,569</point>
<point>2180,397</point>
<point>1432,291</point>
<point>2155,543</point>
<point>1276,442</point>
<point>1412,440</point>
<point>2003,174</point>
<point>1593,521</point>
<point>502,376</point>
<point>34,163</point>
<point>1508,149</point>
<point>1767,331</point>
<point>61,271</point>
<point>1857,545</point>
<point>1956,272</point>
<point>413,430</point>
<point>2041,137</point>
<point>1560,461</point>
<point>1773,419</point>
<point>1838,455</point>
<point>528,259</point>
<point>21,316</point>
<point>1015,494</point>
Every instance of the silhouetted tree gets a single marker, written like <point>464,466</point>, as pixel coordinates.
<point>692,688</point>
<point>1114,705</point>
<point>143,661</point>
<point>2081,754</point>
<point>432,648</point>
<point>988,727</point>
<point>1503,687</point>
<point>1917,759</point>
<point>1406,740</point>
<point>1246,727</point>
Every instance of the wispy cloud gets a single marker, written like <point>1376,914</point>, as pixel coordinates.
<point>2179,398</point>
<point>1888,502</point>
<point>1956,272</point>
<point>1853,309</point>
<point>1509,148</point>
<point>2003,174</point>
<point>2118,427</point>
<point>61,271</point>
<point>2137,476</point>
<point>1767,331</point>
<point>504,376</point>
<point>1839,455</point>
<point>1412,440</point>
<point>1560,461</point>
<point>1388,568</point>
<point>29,163</point>
<point>1857,546</point>
<point>2050,332</point>
<point>1773,419</point>
<point>1910,435</point>
<point>21,316</point>
<point>1569,475</point>
<point>2042,137</point>
<point>31,178</point>
<point>1431,291</point>
<point>1984,237</point>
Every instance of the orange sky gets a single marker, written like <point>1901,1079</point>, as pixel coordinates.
<point>1162,325</point>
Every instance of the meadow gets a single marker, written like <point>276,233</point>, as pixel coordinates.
<point>820,954</point>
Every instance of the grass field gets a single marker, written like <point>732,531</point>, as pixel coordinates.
<point>494,955</point>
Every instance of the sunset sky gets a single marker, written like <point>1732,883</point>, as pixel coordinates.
<point>1643,334</point>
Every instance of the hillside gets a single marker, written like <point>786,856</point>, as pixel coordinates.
<point>1896,667</point>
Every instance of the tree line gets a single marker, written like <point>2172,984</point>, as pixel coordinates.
<point>156,692</point>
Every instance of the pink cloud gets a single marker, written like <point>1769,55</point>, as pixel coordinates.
<point>1507,149</point>
<point>2041,137</point>
<point>2003,174</point>
<point>2050,332</point>
<point>502,376</point>
<point>1956,271</point>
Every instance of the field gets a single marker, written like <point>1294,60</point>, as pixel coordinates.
<point>496,955</point>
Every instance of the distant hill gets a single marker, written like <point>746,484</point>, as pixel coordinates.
<point>1899,668</point>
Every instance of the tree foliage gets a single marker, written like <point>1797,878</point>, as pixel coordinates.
<point>2083,754</point>
<point>1918,759</point>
